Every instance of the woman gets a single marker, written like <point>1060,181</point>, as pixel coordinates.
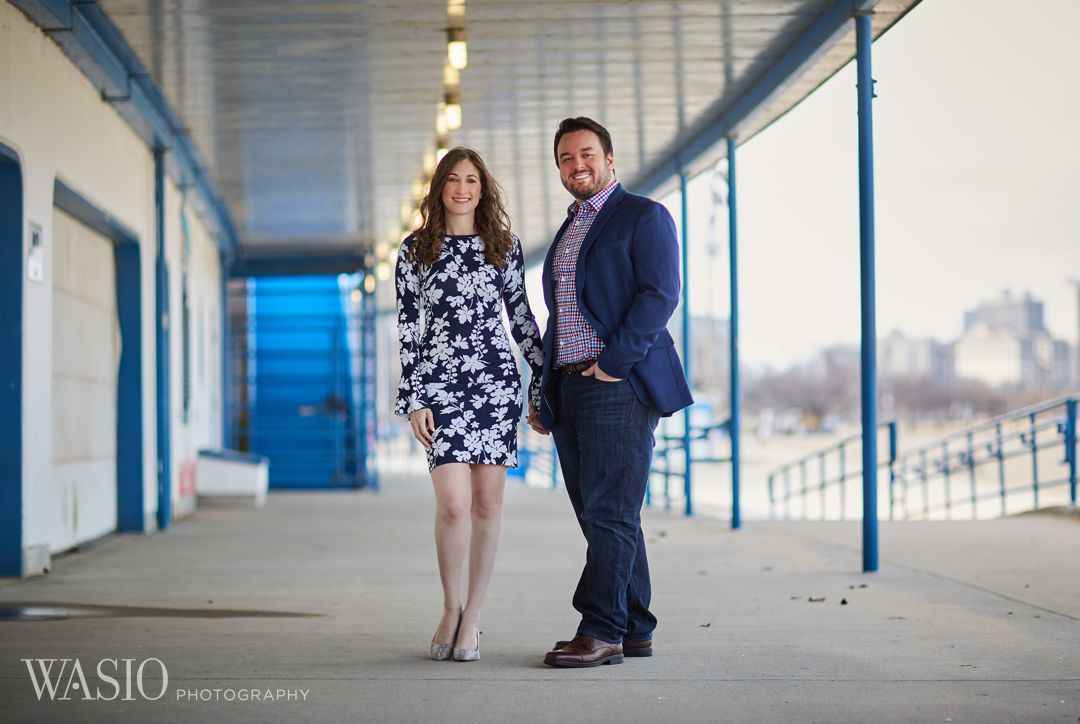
<point>460,385</point>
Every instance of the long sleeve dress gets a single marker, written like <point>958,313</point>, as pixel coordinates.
<point>457,360</point>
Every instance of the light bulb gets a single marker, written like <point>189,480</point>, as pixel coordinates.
<point>458,54</point>
<point>452,116</point>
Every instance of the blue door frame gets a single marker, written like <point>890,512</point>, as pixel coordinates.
<point>130,515</point>
<point>161,345</point>
<point>11,296</point>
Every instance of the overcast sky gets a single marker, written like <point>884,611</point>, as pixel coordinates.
<point>978,185</point>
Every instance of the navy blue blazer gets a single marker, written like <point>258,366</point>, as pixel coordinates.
<point>627,287</point>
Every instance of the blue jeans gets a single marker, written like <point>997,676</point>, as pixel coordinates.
<point>604,435</point>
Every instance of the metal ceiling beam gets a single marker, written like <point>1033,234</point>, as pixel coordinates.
<point>724,118</point>
<point>296,263</point>
<point>84,31</point>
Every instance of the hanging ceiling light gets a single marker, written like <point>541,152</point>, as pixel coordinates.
<point>442,121</point>
<point>457,52</point>
<point>453,116</point>
<point>448,114</point>
<point>451,76</point>
<point>452,108</point>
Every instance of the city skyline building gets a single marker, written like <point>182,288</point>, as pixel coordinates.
<point>1005,343</point>
<point>902,356</point>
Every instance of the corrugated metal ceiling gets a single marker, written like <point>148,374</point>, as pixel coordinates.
<point>315,117</point>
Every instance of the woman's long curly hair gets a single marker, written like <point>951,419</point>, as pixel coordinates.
<point>492,221</point>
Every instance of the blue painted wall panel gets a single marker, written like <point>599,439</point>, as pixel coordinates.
<point>129,417</point>
<point>11,294</point>
<point>301,408</point>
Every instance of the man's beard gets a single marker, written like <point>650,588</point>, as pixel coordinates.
<point>586,194</point>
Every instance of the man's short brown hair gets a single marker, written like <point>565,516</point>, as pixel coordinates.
<point>581,123</point>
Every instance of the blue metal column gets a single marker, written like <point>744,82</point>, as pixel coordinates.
<point>373,398</point>
<point>733,341</point>
<point>226,356</point>
<point>1070,447</point>
<point>863,39</point>
<point>685,220</point>
<point>12,230</point>
<point>361,425</point>
<point>161,334</point>
<point>369,416</point>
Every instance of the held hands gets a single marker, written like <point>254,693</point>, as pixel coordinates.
<point>533,418</point>
<point>600,374</point>
<point>422,423</point>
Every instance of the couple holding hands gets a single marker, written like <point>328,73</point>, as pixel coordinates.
<point>603,374</point>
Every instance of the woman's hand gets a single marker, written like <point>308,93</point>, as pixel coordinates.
<point>423,426</point>
<point>533,418</point>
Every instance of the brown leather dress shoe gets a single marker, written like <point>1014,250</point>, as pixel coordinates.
<point>584,651</point>
<point>631,649</point>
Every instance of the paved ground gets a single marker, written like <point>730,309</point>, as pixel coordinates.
<point>332,598</point>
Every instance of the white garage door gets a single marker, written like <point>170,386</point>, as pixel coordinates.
<point>86,353</point>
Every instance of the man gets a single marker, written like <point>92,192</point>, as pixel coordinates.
<point>611,283</point>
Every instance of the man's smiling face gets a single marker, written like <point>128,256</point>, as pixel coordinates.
<point>583,166</point>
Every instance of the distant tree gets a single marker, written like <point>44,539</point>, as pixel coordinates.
<point>818,390</point>
<point>931,398</point>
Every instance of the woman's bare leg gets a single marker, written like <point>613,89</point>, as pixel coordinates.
<point>453,499</point>
<point>488,482</point>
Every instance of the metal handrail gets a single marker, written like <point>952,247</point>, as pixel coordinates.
<point>824,482</point>
<point>665,448</point>
<point>990,443</point>
<point>539,452</point>
<point>1045,426</point>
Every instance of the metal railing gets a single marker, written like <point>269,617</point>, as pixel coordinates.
<point>965,471</point>
<point>969,473</point>
<point>539,462</point>
<point>670,451</point>
<point>831,465</point>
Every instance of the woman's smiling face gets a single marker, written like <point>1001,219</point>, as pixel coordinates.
<point>461,192</point>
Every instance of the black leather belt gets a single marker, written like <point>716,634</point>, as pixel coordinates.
<point>574,367</point>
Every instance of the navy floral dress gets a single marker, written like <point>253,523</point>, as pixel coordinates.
<point>455,356</point>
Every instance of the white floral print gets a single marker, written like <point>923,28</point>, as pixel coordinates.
<point>455,356</point>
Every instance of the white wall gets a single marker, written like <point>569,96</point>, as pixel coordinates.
<point>56,122</point>
<point>203,426</point>
<point>86,345</point>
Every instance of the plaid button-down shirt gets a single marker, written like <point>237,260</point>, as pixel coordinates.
<point>575,339</point>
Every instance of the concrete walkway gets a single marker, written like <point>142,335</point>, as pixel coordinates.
<point>966,622</point>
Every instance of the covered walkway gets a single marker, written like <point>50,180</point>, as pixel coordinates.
<point>336,595</point>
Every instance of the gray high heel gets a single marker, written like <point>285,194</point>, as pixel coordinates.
<point>461,654</point>
<point>443,652</point>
